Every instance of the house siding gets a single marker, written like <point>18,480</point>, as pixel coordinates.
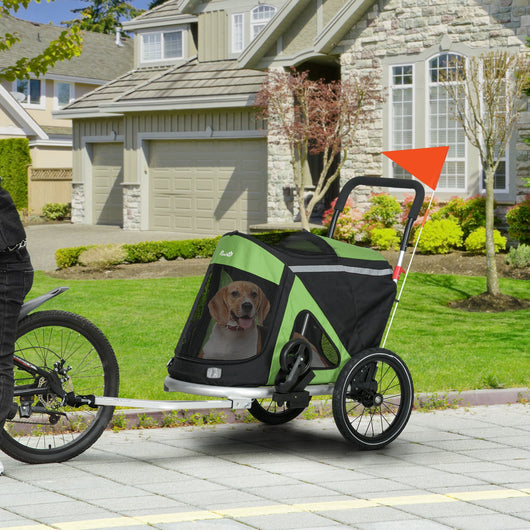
<point>213,36</point>
<point>300,35</point>
<point>409,28</point>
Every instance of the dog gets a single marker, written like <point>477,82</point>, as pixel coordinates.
<point>238,310</point>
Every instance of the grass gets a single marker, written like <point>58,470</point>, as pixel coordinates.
<point>445,349</point>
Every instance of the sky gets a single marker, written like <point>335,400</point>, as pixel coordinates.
<point>59,10</point>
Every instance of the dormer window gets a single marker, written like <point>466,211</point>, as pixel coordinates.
<point>163,45</point>
<point>259,18</point>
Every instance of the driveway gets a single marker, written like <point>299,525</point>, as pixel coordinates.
<point>45,239</point>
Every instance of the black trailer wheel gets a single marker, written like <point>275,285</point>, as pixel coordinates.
<point>269,412</point>
<point>373,398</point>
<point>43,428</point>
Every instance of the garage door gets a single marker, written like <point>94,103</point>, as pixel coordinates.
<point>107,173</point>
<point>207,187</point>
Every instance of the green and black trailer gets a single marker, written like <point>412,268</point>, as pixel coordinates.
<point>274,325</point>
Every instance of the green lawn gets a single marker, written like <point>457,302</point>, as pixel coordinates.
<point>445,349</point>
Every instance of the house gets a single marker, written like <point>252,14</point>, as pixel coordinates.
<point>176,145</point>
<point>27,106</point>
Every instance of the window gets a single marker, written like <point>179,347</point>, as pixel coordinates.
<point>444,129</point>
<point>238,41</point>
<point>160,46</point>
<point>259,18</point>
<point>29,91</point>
<point>500,180</point>
<point>64,94</point>
<point>402,113</point>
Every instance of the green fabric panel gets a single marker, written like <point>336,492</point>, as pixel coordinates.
<point>246,255</point>
<point>346,250</point>
<point>301,300</point>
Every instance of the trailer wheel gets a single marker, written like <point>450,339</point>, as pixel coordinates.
<point>373,398</point>
<point>269,412</point>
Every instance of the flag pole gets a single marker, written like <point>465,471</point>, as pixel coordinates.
<point>398,269</point>
<point>426,165</point>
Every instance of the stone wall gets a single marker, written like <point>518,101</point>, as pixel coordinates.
<point>410,27</point>
<point>131,207</point>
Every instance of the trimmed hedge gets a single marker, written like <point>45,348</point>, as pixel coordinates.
<point>14,161</point>
<point>149,251</point>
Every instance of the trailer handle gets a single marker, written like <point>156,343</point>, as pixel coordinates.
<point>419,197</point>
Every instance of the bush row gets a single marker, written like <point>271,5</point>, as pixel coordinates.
<point>147,251</point>
<point>458,224</point>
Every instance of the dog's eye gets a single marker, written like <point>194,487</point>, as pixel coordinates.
<point>254,294</point>
<point>234,294</point>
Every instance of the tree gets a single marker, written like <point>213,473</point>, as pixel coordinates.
<point>486,93</point>
<point>315,117</point>
<point>103,16</point>
<point>156,3</point>
<point>67,45</point>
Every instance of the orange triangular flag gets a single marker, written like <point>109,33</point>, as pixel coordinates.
<point>425,164</point>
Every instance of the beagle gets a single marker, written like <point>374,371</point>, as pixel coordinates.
<point>237,309</point>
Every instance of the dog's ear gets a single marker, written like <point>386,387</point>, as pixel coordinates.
<point>263,307</point>
<point>218,308</point>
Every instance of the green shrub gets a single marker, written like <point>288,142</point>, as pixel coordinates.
<point>476,241</point>
<point>439,236</point>
<point>385,239</point>
<point>470,213</point>
<point>144,252</point>
<point>55,211</point>
<point>383,212</point>
<point>14,160</point>
<point>519,257</point>
<point>518,218</point>
<point>68,257</point>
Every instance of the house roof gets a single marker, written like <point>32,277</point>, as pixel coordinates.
<point>191,85</point>
<point>169,13</point>
<point>90,102</point>
<point>101,59</point>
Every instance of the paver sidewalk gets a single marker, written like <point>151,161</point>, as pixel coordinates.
<point>463,468</point>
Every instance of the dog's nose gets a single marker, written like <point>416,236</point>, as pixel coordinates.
<point>246,307</point>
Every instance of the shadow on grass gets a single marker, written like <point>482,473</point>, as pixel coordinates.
<point>446,282</point>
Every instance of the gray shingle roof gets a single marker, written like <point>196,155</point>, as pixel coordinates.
<point>100,58</point>
<point>169,8</point>
<point>191,81</point>
<point>114,89</point>
<point>199,80</point>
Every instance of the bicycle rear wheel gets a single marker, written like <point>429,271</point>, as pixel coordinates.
<point>45,428</point>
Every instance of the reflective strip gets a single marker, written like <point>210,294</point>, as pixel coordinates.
<point>341,268</point>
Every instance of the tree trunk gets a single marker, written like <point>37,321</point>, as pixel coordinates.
<point>492,280</point>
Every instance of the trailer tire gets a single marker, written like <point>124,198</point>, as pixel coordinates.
<point>373,398</point>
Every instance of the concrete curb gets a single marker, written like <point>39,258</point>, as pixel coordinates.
<point>143,418</point>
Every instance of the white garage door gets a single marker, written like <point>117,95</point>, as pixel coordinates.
<point>107,174</point>
<point>207,187</point>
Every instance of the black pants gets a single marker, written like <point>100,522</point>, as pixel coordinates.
<point>16,278</point>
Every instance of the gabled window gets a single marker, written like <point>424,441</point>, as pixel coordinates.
<point>238,33</point>
<point>30,92</point>
<point>444,128</point>
<point>64,94</point>
<point>259,18</point>
<point>162,45</point>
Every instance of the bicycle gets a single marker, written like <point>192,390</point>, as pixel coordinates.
<point>61,360</point>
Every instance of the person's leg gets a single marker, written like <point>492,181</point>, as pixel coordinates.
<point>14,285</point>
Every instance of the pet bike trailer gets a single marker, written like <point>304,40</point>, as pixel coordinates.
<point>273,325</point>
